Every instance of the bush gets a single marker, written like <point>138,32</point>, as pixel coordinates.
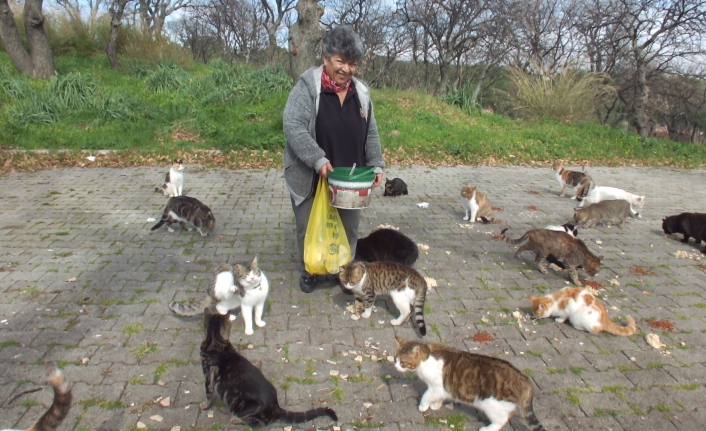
<point>568,96</point>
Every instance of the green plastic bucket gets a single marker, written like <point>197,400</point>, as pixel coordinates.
<point>351,190</point>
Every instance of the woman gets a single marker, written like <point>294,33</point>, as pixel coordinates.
<point>329,121</point>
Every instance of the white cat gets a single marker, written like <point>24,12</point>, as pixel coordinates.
<point>254,288</point>
<point>611,193</point>
<point>174,181</point>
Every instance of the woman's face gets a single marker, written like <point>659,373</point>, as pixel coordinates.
<point>339,69</point>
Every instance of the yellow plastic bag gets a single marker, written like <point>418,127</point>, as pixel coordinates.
<point>326,246</point>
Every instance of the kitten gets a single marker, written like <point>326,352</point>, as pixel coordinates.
<point>183,209</point>
<point>572,252</point>
<point>387,245</point>
<point>583,310</point>
<point>476,204</point>
<point>241,285</point>
<point>242,387</point>
<point>604,211</point>
<point>687,224</point>
<point>174,181</point>
<point>566,228</point>
<point>579,181</point>
<point>489,384</point>
<point>611,193</point>
<point>61,405</point>
<point>406,287</point>
<point>222,290</point>
<point>395,187</point>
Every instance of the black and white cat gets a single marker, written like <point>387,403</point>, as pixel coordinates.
<point>174,181</point>
<point>566,227</point>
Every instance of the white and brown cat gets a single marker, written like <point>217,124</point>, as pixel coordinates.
<point>583,310</point>
<point>489,384</point>
<point>476,204</point>
<point>580,182</point>
<point>174,181</point>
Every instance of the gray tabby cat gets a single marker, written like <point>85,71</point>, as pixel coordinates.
<point>604,211</point>
<point>223,290</point>
<point>404,284</point>
<point>183,209</point>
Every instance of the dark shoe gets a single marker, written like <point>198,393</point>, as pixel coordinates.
<point>307,282</point>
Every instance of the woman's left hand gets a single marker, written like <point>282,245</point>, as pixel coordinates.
<point>378,180</point>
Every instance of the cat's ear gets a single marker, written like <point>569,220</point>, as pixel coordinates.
<point>600,257</point>
<point>253,262</point>
<point>400,340</point>
<point>207,313</point>
<point>577,209</point>
<point>533,298</point>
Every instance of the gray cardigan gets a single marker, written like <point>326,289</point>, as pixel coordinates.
<point>302,155</point>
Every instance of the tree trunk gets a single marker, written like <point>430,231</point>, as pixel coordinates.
<point>305,35</point>
<point>39,61</point>
<point>641,120</point>
<point>40,50</point>
<point>116,11</point>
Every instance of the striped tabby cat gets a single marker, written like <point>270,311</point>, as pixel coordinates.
<point>61,405</point>
<point>174,181</point>
<point>404,284</point>
<point>604,211</point>
<point>579,181</point>
<point>241,386</point>
<point>489,384</point>
<point>183,209</point>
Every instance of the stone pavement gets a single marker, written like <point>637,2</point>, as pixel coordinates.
<point>85,283</point>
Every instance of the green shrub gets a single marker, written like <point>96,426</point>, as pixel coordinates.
<point>167,76</point>
<point>463,98</point>
<point>73,90</point>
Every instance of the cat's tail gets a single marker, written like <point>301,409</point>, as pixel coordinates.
<point>59,409</point>
<point>299,417</point>
<point>532,420</point>
<point>614,329</point>
<point>513,241</point>
<point>586,186</point>
<point>419,310</point>
<point>163,220</point>
<point>190,308</point>
<point>487,220</point>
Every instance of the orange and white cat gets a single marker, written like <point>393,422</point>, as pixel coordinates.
<point>581,183</point>
<point>476,204</point>
<point>583,310</point>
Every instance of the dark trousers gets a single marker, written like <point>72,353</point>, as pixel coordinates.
<point>349,218</point>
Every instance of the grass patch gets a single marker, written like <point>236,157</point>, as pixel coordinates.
<point>101,403</point>
<point>133,328</point>
<point>337,395</point>
<point>143,350</point>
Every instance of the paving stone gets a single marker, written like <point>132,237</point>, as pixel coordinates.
<point>126,275</point>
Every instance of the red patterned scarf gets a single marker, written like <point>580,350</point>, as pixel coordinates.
<point>332,85</point>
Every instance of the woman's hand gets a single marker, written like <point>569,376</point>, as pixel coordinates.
<point>325,169</point>
<point>378,180</point>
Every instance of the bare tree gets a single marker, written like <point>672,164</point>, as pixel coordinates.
<point>39,61</point>
<point>76,8</point>
<point>194,33</point>
<point>153,13</point>
<point>116,10</point>
<point>451,25</point>
<point>660,34</point>
<point>275,11</point>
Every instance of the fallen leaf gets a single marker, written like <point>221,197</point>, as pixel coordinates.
<point>141,425</point>
<point>157,418</point>
<point>165,402</point>
<point>653,340</point>
<point>71,280</point>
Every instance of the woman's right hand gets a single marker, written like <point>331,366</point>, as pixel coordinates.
<point>325,169</point>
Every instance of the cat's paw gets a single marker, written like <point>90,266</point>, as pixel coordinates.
<point>423,407</point>
<point>249,331</point>
<point>261,323</point>
<point>395,322</point>
<point>169,229</point>
<point>366,314</point>
<point>205,405</point>
<point>436,405</point>
<point>188,229</point>
<point>466,218</point>
<point>232,317</point>
<point>355,316</point>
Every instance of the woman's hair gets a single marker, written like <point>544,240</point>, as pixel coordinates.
<point>345,42</point>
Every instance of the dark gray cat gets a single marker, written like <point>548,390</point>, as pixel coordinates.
<point>395,187</point>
